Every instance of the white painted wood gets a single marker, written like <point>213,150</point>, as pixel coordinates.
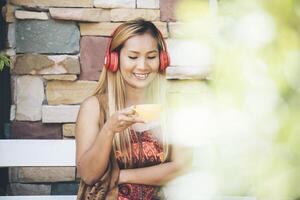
<point>37,152</point>
<point>53,197</point>
<point>73,197</point>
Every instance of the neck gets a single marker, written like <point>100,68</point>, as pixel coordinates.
<point>135,96</point>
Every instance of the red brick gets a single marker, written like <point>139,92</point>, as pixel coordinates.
<point>92,53</point>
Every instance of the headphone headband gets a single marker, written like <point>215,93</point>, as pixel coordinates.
<point>110,40</point>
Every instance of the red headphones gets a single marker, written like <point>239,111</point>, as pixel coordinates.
<point>111,60</point>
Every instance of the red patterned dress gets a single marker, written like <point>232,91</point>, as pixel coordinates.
<point>147,151</point>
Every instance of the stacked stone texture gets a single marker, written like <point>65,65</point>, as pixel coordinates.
<point>58,48</point>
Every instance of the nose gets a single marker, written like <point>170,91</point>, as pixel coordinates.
<point>142,63</point>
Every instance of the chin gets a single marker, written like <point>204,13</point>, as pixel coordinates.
<point>140,86</point>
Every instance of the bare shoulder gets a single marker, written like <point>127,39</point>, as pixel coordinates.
<point>90,104</point>
<point>90,108</point>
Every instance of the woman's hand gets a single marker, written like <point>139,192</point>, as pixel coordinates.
<point>122,119</point>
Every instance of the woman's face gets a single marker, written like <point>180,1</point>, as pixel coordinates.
<point>139,60</point>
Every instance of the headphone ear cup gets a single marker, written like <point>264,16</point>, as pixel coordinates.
<point>114,61</point>
<point>164,60</point>
<point>111,60</point>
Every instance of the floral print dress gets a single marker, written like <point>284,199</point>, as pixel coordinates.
<point>147,151</point>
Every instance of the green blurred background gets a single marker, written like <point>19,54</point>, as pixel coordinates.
<point>246,128</point>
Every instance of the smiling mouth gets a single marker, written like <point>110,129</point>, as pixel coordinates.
<point>141,76</point>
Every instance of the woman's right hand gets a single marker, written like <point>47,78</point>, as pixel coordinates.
<point>122,119</point>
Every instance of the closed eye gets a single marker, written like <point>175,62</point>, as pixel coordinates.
<point>136,57</point>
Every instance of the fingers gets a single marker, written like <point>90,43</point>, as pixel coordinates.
<point>131,115</point>
<point>125,118</point>
<point>128,117</point>
<point>128,111</point>
<point>131,119</point>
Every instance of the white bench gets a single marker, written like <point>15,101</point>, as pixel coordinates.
<point>36,153</point>
<point>53,197</point>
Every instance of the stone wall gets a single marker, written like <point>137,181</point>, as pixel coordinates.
<point>57,48</point>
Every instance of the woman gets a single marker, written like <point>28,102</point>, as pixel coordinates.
<point>134,72</point>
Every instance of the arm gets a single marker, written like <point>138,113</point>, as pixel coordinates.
<point>92,144</point>
<point>159,174</point>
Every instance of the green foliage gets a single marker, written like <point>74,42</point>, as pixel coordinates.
<point>254,133</point>
<point>4,61</point>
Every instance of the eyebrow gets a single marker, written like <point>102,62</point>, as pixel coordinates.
<point>147,52</point>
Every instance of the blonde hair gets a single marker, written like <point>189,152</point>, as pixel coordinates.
<point>112,84</point>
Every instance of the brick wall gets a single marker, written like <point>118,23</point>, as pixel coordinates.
<point>57,48</point>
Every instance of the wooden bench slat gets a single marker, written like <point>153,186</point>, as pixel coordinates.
<point>73,197</point>
<point>37,152</point>
<point>53,197</point>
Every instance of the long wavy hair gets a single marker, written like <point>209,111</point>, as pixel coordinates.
<point>112,84</point>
